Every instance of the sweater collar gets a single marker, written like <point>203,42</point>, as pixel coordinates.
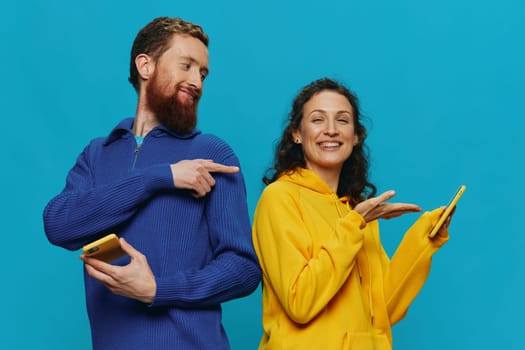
<point>123,129</point>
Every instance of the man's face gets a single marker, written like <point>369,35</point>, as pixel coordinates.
<point>175,87</point>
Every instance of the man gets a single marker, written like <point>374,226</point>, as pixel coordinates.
<point>174,195</point>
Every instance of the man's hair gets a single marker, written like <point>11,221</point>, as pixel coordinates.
<point>154,39</point>
<point>289,156</point>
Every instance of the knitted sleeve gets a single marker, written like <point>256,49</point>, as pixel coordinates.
<point>81,211</point>
<point>233,271</point>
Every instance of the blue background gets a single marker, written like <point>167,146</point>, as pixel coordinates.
<point>441,82</point>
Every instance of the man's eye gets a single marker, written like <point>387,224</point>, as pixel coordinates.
<point>203,76</point>
<point>185,65</point>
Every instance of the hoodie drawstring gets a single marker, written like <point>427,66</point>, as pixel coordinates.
<point>345,200</point>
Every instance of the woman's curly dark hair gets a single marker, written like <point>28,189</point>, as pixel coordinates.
<point>289,156</point>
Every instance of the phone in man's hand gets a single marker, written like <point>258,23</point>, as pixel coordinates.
<point>106,248</point>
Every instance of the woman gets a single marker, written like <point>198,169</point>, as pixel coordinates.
<point>327,281</point>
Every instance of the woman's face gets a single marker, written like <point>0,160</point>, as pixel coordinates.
<point>326,132</point>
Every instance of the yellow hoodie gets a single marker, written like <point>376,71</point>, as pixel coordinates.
<point>327,281</point>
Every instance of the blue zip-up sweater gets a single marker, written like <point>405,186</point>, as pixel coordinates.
<point>199,250</point>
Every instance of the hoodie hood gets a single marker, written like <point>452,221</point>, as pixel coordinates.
<point>308,179</point>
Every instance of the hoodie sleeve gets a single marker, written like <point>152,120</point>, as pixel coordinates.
<point>408,270</point>
<point>303,281</point>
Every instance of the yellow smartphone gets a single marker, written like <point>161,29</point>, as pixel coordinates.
<point>450,206</point>
<point>106,248</point>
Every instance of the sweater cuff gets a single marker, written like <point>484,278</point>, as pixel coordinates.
<point>164,294</point>
<point>158,177</point>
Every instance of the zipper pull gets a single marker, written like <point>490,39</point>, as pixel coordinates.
<point>135,156</point>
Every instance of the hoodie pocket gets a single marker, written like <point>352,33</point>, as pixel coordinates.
<point>365,341</point>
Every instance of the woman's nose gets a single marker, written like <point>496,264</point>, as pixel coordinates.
<point>331,127</point>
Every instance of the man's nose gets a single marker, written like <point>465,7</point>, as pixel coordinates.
<point>195,78</point>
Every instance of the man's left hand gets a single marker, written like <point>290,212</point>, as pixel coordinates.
<point>135,280</point>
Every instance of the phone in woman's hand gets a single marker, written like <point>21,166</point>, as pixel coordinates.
<point>448,210</point>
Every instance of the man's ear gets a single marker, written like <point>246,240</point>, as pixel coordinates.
<point>145,66</point>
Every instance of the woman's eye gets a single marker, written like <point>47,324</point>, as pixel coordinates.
<point>185,65</point>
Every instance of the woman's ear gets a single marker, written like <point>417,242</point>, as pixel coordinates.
<point>356,140</point>
<point>296,136</point>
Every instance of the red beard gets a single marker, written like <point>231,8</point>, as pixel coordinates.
<point>179,116</point>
